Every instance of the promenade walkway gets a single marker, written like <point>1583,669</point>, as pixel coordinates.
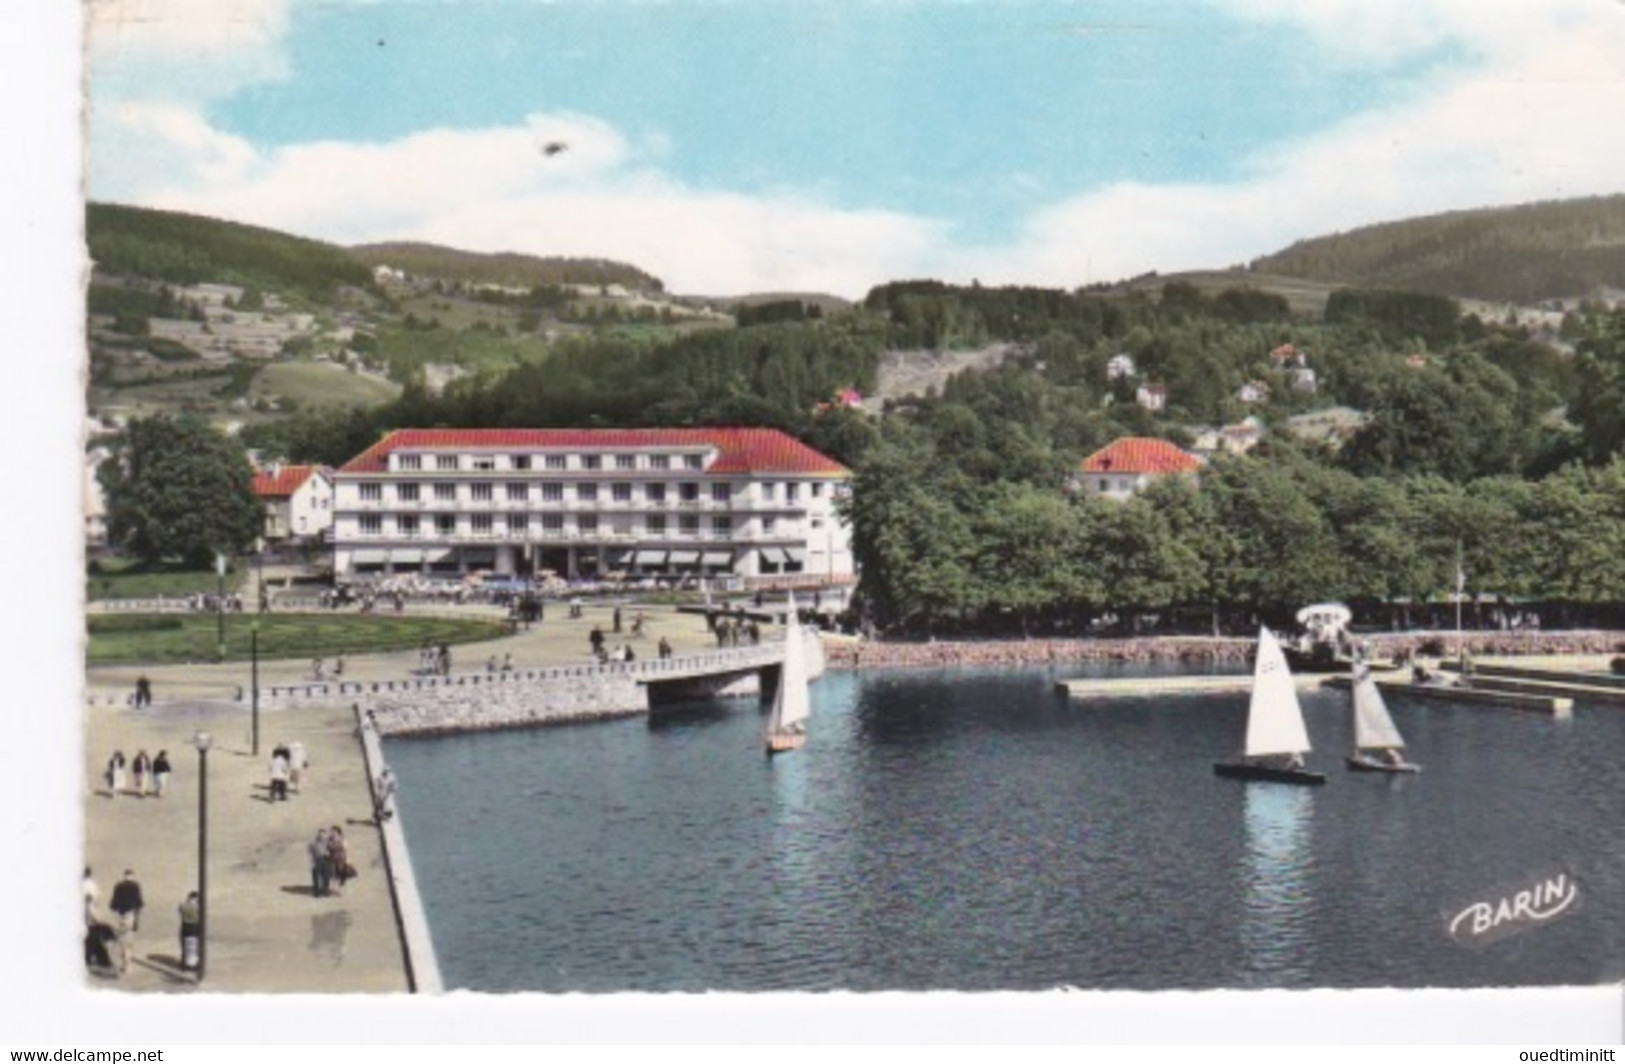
<point>266,932</point>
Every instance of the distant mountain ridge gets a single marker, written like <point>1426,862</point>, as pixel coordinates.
<point>509,268</point>
<point>1561,249</point>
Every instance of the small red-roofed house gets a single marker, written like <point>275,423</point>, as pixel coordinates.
<point>298,501</point>
<point>1127,465</point>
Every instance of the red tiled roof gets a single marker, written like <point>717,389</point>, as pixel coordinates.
<point>287,480</point>
<point>1140,454</point>
<point>739,450</point>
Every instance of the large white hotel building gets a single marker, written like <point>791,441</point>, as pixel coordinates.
<point>750,502</point>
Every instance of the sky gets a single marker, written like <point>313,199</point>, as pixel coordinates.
<point>730,146</point>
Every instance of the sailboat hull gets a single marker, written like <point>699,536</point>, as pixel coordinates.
<point>783,744</point>
<point>1361,763</point>
<point>1269,774</point>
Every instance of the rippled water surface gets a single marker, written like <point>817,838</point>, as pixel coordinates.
<point>972,830</point>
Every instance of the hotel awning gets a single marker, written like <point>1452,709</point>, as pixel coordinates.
<point>618,558</point>
<point>649,557</point>
<point>406,557</point>
<point>368,557</point>
<point>685,557</point>
<point>717,557</point>
<point>795,554</point>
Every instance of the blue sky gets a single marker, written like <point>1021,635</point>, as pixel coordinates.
<point>737,146</point>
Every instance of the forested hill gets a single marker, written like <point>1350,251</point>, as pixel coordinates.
<point>1523,254</point>
<point>506,268</point>
<point>187,249</point>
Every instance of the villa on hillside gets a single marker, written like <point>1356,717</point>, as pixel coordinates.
<point>1120,366</point>
<point>750,503</point>
<point>1238,438</point>
<point>1152,397</point>
<point>298,501</point>
<point>1128,465</point>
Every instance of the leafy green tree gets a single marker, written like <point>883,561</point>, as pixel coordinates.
<point>1599,405</point>
<point>176,488</point>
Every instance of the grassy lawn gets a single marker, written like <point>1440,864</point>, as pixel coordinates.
<point>123,579</point>
<point>323,384</point>
<point>167,639</point>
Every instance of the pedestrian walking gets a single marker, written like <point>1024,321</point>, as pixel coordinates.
<point>279,775</point>
<point>90,892</point>
<point>160,773</point>
<point>317,670</point>
<point>665,647</point>
<point>343,870</point>
<point>126,904</point>
<point>298,762</point>
<point>596,638</point>
<point>445,659</point>
<point>143,693</point>
<point>115,773</point>
<point>383,795</point>
<point>617,619</point>
<point>139,769</point>
<point>191,914</point>
<point>321,865</point>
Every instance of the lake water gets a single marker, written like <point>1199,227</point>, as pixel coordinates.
<point>972,830</point>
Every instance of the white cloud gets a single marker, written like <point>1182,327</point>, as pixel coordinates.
<point>185,49</point>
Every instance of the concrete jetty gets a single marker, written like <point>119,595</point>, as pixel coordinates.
<point>1155,686</point>
<point>1474,696</point>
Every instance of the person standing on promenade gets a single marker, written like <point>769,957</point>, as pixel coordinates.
<point>191,913</point>
<point>596,638</point>
<point>126,904</point>
<point>160,773</point>
<point>89,891</point>
<point>339,852</point>
<point>143,693</point>
<point>664,647</point>
<point>298,761</point>
<point>279,775</point>
<point>384,795</point>
<point>617,620</point>
<point>115,773</point>
<point>321,865</point>
<point>140,768</point>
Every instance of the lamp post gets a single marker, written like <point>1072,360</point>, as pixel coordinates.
<point>254,681</point>
<point>220,604</point>
<point>202,740</point>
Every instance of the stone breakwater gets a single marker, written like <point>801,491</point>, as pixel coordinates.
<point>1194,650</point>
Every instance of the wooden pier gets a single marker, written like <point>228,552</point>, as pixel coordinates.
<point>1476,695</point>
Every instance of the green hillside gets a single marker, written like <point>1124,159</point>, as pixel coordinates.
<point>506,268</point>
<point>1523,254</point>
<point>187,249</point>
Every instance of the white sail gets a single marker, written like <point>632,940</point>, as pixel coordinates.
<point>790,703</point>
<point>1274,718</point>
<point>1373,727</point>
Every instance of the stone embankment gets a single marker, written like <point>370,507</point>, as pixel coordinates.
<point>842,654</point>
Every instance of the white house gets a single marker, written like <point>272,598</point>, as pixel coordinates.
<point>1254,392</point>
<point>748,502</point>
<point>1120,366</point>
<point>1152,396</point>
<point>1127,465</point>
<point>298,501</point>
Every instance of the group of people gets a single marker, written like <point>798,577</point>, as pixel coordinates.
<point>433,660</point>
<point>108,944</point>
<point>289,763</point>
<point>737,632</point>
<point>318,668</point>
<point>145,771</point>
<point>330,867</point>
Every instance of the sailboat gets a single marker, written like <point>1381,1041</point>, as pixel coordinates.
<point>1374,730</point>
<point>787,728</point>
<point>1276,736</point>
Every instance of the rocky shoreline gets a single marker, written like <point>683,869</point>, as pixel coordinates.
<point>851,655</point>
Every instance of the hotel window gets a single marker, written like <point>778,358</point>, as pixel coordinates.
<point>626,461</point>
<point>592,461</point>
<point>722,527</point>
<point>518,492</point>
<point>409,461</point>
<point>587,523</point>
<point>693,461</point>
<point>372,525</point>
<point>445,492</point>
<point>553,523</point>
<point>660,461</point>
<point>556,461</point>
<point>518,524</point>
<point>445,524</point>
<point>769,525</point>
<point>372,492</point>
<point>553,492</point>
<point>816,522</point>
<point>587,492</point>
<point>445,461</point>
<point>768,491</point>
<point>792,493</point>
<point>485,463</point>
<point>816,489</point>
<point>408,524</point>
<point>520,461</point>
<point>620,492</point>
<point>407,492</point>
<point>656,524</point>
<point>654,492</point>
<point>480,492</point>
<point>688,492</point>
<point>721,492</point>
<point>688,524</point>
<point>481,524</point>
